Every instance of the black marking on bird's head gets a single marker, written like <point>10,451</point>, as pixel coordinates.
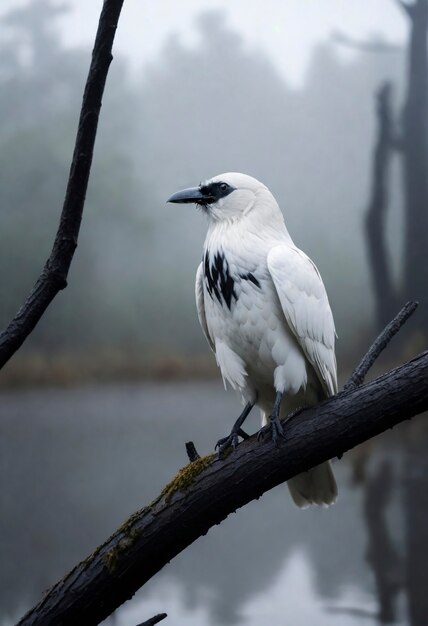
<point>207,193</point>
<point>213,191</point>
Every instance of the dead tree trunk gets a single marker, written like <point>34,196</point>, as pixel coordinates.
<point>208,490</point>
<point>415,155</point>
<point>386,299</point>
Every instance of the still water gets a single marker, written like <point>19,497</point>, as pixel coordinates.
<point>75,463</point>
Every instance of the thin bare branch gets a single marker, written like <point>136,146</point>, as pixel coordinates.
<point>380,344</point>
<point>54,274</point>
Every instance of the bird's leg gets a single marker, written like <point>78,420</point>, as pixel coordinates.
<point>274,427</point>
<point>243,434</point>
<point>232,439</point>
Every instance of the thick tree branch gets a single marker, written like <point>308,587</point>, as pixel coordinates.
<point>208,490</point>
<point>54,275</point>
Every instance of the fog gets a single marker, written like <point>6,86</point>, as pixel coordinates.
<point>192,112</point>
<point>285,92</point>
<point>286,32</point>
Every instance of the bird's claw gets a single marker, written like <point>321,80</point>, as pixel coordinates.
<point>231,441</point>
<point>274,428</point>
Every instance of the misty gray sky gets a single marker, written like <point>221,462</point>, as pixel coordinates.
<point>287,31</point>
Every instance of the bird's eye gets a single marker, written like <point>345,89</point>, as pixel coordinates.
<point>223,186</point>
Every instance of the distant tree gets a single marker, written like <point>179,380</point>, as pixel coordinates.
<point>41,82</point>
<point>379,257</point>
<point>413,148</point>
<point>415,157</point>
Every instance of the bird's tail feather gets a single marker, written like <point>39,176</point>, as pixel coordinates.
<point>315,486</point>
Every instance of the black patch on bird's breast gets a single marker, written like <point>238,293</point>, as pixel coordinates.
<point>218,279</point>
<point>251,278</point>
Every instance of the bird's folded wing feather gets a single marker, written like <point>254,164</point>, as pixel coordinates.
<point>306,308</point>
<point>199,295</point>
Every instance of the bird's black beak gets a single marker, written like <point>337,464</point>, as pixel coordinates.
<point>192,195</point>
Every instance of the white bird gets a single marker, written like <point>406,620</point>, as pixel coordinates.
<point>265,313</point>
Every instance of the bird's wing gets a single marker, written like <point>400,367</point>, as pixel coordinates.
<point>199,295</point>
<point>306,308</point>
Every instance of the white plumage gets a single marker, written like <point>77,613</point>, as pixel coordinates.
<point>264,311</point>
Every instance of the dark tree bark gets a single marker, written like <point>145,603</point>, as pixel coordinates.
<point>54,275</point>
<point>208,490</point>
<point>415,154</point>
<point>385,294</point>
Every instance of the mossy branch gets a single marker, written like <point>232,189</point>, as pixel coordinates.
<point>208,490</point>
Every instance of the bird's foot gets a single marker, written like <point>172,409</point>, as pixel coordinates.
<point>231,441</point>
<point>274,428</point>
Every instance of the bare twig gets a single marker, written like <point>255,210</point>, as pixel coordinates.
<point>379,345</point>
<point>192,453</point>
<point>54,275</point>
<point>154,620</point>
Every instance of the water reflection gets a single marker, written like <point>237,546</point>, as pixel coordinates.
<point>382,554</point>
<point>75,463</point>
<point>415,505</point>
<point>291,599</point>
